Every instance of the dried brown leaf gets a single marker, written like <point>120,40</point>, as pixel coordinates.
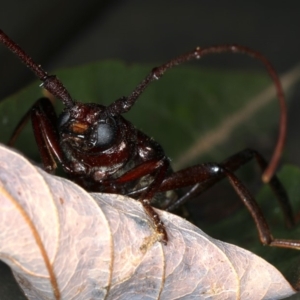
<point>63,243</point>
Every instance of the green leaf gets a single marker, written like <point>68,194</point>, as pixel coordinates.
<point>178,109</point>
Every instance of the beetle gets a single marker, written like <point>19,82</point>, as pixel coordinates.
<point>103,152</point>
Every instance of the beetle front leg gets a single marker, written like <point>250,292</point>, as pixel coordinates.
<point>149,193</point>
<point>43,118</point>
<point>159,168</point>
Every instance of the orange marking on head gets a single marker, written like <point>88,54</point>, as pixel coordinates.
<point>79,127</point>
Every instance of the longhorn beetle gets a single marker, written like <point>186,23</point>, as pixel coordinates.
<point>103,152</point>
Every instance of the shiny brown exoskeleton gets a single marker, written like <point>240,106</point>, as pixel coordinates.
<point>103,152</point>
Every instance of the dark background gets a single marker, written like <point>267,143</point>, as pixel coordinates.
<point>68,33</point>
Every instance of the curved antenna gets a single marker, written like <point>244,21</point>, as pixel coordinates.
<point>124,104</point>
<point>50,82</point>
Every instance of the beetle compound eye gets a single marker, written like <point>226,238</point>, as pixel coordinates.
<point>106,133</point>
<point>63,119</point>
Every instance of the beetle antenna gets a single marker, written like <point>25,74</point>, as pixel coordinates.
<point>50,82</point>
<point>124,104</point>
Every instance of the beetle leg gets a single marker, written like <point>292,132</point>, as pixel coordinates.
<point>239,159</point>
<point>233,163</point>
<point>19,127</point>
<point>157,167</point>
<point>264,232</point>
<point>43,118</point>
<point>207,173</point>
